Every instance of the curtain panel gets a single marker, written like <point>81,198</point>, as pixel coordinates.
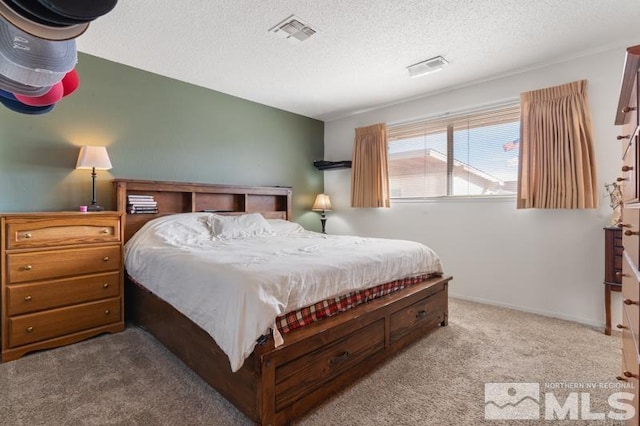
<point>370,169</point>
<point>557,163</point>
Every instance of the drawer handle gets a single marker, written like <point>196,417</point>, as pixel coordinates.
<point>27,298</point>
<point>629,233</point>
<point>620,326</point>
<point>27,235</point>
<point>107,311</point>
<point>629,374</point>
<point>421,314</point>
<point>620,137</point>
<point>106,258</point>
<point>340,358</point>
<point>620,179</point>
<point>630,302</point>
<point>628,109</point>
<point>105,285</point>
<point>28,267</point>
<point>29,329</point>
<point>626,168</point>
<point>624,225</point>
<point>105,231</point>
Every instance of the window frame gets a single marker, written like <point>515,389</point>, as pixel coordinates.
<point>431,122</point>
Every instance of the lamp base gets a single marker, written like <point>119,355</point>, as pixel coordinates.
<point>95,208</point>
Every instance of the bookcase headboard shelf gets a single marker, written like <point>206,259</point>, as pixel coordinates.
<point>184,197</point>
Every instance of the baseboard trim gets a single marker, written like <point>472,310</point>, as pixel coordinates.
<point>595,324</point>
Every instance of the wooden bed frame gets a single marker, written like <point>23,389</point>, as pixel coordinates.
<point>277,385</point>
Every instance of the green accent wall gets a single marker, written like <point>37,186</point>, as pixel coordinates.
<point>154,128</point>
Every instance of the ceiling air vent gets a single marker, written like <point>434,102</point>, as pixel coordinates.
<point>427,67</point>
<point>293,28</point>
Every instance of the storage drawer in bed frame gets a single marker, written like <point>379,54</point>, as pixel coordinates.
<point>276,385</point>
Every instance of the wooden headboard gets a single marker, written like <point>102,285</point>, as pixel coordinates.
<point>183,197</point>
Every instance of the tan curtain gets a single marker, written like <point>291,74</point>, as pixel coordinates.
<point>557,164</point>
<point>370,170</point>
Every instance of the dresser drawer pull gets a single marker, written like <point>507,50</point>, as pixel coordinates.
<point>421,314</point>
<point>27,235</point>
<point>106,258</point>
<point>28,267</point>
<point>629,233</point>
<point>629,374</point>
<point>620,179</point>
<point>630,302</point>
<point>29,329</point>
<point>626,168</point>
<point>620,326</point>
<point>105,285</point>
<point>620,137</point>
<point>107,311</point>
<point>105,231</point>
<point>624,225</point>
<point>27,298</point>
<point>628,109</point>
<point>340,358</point>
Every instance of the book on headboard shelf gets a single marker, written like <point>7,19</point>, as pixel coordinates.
<point>141,204</point>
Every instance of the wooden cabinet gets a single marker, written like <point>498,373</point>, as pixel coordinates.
<point>62,279</point>
<point>627,118</point>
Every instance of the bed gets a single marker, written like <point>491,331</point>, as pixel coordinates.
<point>281,375</point>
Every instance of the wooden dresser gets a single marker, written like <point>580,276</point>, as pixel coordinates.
<point>627,117</point>
<point>62,279</point>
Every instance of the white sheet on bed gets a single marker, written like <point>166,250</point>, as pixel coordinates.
<point>234,289</point>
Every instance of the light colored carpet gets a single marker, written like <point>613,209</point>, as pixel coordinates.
<point>130,379</point>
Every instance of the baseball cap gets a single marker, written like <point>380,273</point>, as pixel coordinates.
<point>10,101</point>
<point>47,32</point>
<point>49,98</point>
<point>87,10</point>
<point>33,61</point>
<point>36,12</point>
<point>22,89</point>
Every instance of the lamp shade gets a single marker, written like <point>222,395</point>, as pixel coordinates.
<point>322,202</point>
<point>93,156</point>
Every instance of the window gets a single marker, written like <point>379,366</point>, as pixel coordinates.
<point>474,154</point>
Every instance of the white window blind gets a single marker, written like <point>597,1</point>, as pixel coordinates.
<point>472,154</point>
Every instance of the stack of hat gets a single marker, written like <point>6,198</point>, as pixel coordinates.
<point>38,50</point>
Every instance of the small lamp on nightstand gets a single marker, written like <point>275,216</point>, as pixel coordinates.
<point>94,158</point>
<point>322,203</point>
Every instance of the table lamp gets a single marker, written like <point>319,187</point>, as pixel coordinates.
<point>322,203</point>
<point>94,158</point>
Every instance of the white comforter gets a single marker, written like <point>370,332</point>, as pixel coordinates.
<point>234,288</point>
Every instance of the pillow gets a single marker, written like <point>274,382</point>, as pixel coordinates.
<point>236,227</point>
<point>183,228</point>
<point>284,227</point>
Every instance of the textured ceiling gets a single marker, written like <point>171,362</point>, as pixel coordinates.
<point>357,60</point>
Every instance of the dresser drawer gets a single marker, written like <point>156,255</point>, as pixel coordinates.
<point>32,328</point>
<point>32,297</point>
<point>630,229</point>
<point>48,232</point>
<point>629,350</point>
<point>426,310</point>
<point>299,377</point>
<point>23,267</point>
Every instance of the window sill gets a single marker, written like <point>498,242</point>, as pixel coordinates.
<point>456,198</point>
